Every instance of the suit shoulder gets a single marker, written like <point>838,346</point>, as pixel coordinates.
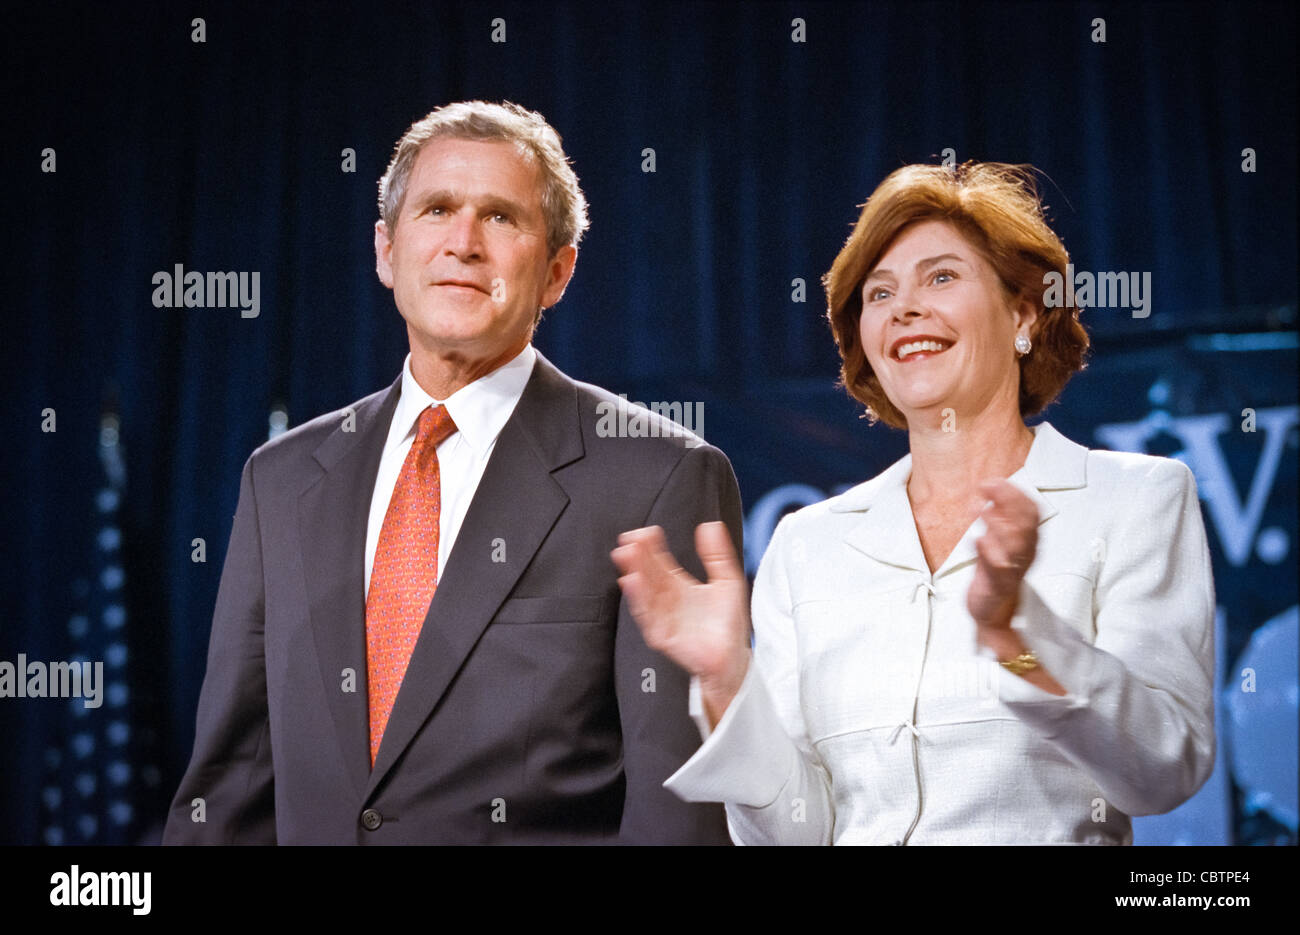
<point>305,438</point>
<point>663,432</point>
<point>856,499</point>
<point>1125,468</point>
<point>842,509</point>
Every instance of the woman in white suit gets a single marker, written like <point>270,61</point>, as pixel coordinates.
<point>1003,638</point>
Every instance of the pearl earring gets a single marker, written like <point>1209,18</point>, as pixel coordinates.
<point>1022,345</point>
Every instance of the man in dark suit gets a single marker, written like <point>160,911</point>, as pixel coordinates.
<point>419,635</point>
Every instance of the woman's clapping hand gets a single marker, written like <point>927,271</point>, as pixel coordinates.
<point>1005,552</point>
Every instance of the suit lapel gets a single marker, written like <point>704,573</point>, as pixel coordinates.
<point>333,513</point>
<point>887,530</point>
<point>518,501</point>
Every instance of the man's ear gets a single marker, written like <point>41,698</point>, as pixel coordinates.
<point>559,270</point>
<point>383,254</point>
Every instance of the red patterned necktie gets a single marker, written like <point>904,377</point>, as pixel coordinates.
<point>405,570</point>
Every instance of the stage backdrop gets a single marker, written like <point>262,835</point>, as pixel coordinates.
<point>724,150</point>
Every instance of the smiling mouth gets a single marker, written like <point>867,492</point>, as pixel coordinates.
<point>920,350</point>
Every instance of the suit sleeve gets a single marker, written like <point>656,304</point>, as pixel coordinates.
<point>759,759</point>
<point>230,770</point>
<point>658,732</point>
<point>1138,713</point>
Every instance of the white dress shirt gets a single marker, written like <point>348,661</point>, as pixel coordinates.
<point>480,410</point>
<point>870,716</point>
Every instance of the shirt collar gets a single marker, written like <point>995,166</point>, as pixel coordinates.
<point>479,409</point>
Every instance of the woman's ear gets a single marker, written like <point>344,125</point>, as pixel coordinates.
<point>1026,312</point>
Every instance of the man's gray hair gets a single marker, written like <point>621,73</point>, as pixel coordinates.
<point>563,205</point>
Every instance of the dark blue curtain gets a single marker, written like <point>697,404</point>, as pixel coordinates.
<point>228,154</point>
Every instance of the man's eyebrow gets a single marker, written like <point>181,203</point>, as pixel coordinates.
<point>495,203</point>
<point>881,273</point>
<point>489,203</point>
<point>438,196</point>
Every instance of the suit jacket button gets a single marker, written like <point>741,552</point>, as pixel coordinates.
<point>371,819</point>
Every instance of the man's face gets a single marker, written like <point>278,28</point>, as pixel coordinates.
<point>467,260</point>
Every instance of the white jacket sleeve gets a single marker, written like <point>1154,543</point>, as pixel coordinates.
<point>1138,716</point>
<point>759,760</point>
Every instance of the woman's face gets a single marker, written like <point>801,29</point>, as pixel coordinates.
<point>938,328</point>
